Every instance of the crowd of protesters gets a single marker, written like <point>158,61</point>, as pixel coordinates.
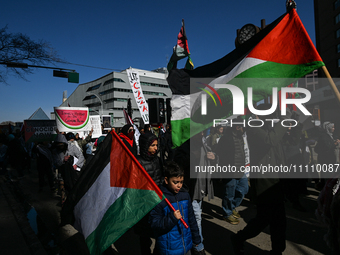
<point>271,144</point>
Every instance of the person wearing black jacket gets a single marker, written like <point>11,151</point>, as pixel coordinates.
<point>149,160</point>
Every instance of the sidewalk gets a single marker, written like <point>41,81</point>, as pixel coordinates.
<point>304,232</point>
<point>16,234</point>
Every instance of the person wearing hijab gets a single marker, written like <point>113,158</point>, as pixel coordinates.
<point>127,136</point>
<point>148,145</point>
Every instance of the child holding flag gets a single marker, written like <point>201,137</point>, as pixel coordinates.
<point>171,235</point>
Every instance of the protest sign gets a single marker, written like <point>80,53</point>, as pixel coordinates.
<point>133,76</point>
<point>107,122</point>
<point>40,130</point>
<point>72,119</point>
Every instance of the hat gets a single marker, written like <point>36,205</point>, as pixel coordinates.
<point>70,136</point>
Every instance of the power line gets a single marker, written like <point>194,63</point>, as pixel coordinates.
<point>104,68</point>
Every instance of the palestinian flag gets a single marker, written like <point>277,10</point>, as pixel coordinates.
<point>181,50</point>
<point>275,57</point>
<point>112,194</point>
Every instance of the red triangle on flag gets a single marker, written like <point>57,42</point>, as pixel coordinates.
<point>126,171</point>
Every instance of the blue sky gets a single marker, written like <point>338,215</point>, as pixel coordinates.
<point>118,34</point>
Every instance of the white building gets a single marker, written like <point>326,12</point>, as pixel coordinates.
<point>110,93</point>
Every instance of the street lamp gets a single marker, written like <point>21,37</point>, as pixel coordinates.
<point>91,93</point>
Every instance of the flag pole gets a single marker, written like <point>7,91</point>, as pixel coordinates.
<point>172,208</point>
<point>333,86</point>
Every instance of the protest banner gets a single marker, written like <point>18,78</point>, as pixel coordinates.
<point>72,119</point>
<point>40,130</point>
<point>133,76</point>
<point>107,122</point>
<point>95,124</point>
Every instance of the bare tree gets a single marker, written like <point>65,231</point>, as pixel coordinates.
<point>20,48</point>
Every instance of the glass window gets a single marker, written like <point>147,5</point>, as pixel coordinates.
<point>337,18</point>
<point>93,87</point>
<point>89,97</point>
<point>338,48</point>
<point>339,62</point>
<point>93,105</point>
<point>338,33</point>
<point>130,91</point>
<point>153,84</point>
<point>336,4</point>
<point>116,99</point>
<point>112,80</point>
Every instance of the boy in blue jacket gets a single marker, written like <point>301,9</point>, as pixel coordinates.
<point>172,238</point>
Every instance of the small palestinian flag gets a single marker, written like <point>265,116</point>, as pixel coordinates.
<point>181,50</point>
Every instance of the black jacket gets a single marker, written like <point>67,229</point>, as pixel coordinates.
<point>153,167</point>
<point>226,152</point>
<point>151,163</point>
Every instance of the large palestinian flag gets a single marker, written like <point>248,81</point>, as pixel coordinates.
<point>112,194</point>
<point>275,57</point>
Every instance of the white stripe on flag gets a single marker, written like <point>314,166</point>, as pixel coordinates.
<point>94,204</point>
<point>241,67</point>
<point>244,65</point>
<point>180,107</point>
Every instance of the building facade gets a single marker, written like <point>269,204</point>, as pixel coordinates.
<point>109,94</point>
<point>327,32</point>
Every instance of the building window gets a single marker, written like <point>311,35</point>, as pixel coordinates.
<point>130,91</point>
<point>339,62</point>
<point>337,18</point>
<point>93,105</point>
<point>338,33</point>
<point>154,93</point>
<point>336,4</point>
<point>93,87</point>
<point>106,92</point>
<point>112,80</point>
<point>153,84</point>
<point>89,97</point>
<point>116,99</point>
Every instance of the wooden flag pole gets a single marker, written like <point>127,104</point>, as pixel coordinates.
<point>333,86</point>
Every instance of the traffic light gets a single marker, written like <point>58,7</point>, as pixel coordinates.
<point>72,76</point>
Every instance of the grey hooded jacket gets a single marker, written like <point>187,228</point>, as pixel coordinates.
<point>72,150</point>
